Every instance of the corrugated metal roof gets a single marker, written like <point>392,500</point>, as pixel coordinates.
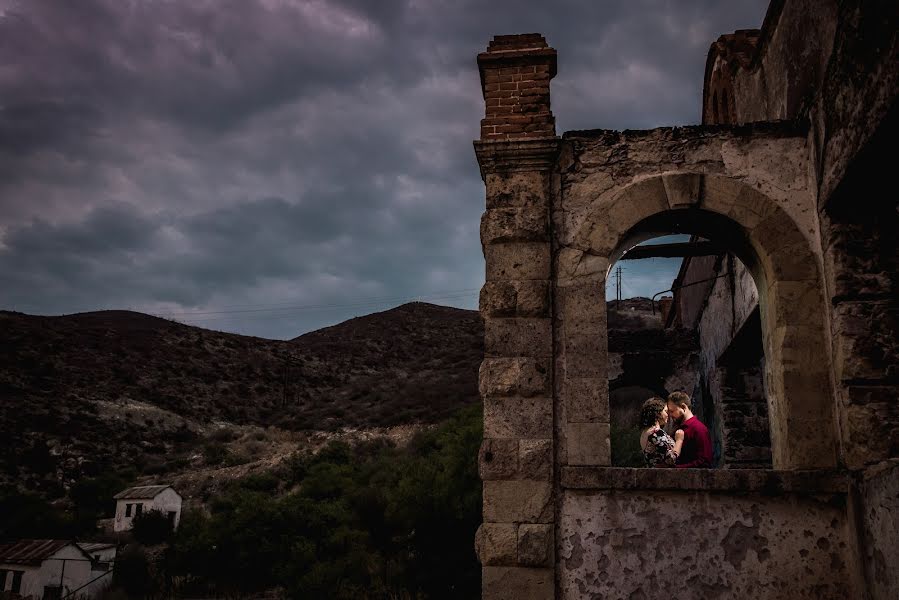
<point>141,492</point>
<point>91,546</point>
<point>30,552</point>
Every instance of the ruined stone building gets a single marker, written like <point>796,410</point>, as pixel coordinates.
<point>796,358</point>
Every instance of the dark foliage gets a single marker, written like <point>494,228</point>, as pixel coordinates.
<point>366,522</point>
<point>151,527</point>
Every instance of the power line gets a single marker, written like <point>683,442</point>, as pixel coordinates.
<point>230,317</point>
<point>362,302</point>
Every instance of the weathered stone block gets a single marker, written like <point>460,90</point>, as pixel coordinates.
<point>794,303</point>
<point>518,337</point>
<point>535,545</point>
<point>521,261</point>
<point>518,376</point>
<point>496,544</point>
<point>515,224</point>
<point>518,502</point>
<point>856,261</point>
<point>532,299</point>
<point>584,356</point>
<point>588,444</point>
<point>517,189</point>
<point>871,425</point>
<point>586,399</point>
<point>792,263</point>
<point>682,190</point>
<point>517,583</point>
<point>498,299</point>
<point>535,459</point>
<point>804,446</point>
<point>582,304</point>
<point>515,299</point>
<point>517,417</point>
<point>575,265</point>
<point>866,340</point>
<point>498,459</point>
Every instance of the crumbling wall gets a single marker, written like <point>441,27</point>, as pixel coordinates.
<point>801,204</point>
<point>880,513</point>
<point>630,533</point>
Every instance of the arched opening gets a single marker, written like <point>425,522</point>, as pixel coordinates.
<point>760,242</point>
<point>687,321</point>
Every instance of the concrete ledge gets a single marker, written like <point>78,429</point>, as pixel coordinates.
<point>760,481</point>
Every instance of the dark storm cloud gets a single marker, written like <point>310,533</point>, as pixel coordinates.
<point>187,157</point>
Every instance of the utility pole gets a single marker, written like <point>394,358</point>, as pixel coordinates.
<point>617,275</point>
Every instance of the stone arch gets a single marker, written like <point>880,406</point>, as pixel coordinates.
<point>781,259</point>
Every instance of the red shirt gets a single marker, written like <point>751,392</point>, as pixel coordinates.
<point>697,448</point>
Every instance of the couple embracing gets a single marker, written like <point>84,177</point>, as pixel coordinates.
<point>692,444</point>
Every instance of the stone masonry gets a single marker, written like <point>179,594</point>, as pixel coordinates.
<point>559,521</point>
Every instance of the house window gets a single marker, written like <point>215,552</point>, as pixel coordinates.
<point>172,514</point>
<point>128,508</point>
<point>52,592</point>
<point>3,573</point>
<point>16,581</point>
<point>138,509</point>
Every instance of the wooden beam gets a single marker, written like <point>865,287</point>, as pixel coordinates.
<point>678,250</point>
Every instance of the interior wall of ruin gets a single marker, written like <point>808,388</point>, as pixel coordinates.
<point>723,537</point>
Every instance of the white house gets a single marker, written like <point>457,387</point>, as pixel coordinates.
<point>143,498</point>
<point>47,569</point>
<point>103,555</point>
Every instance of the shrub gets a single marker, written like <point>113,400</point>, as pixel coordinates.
<point>214,454</point>
<point>368,522</point>
<point>135,574</point>
<point>151,527</point>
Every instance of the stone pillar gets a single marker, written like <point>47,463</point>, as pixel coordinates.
<point>516,153</point>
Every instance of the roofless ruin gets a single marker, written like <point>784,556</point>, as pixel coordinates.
<point>788,174</point>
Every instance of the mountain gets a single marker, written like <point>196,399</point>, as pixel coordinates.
<point>82,394</point>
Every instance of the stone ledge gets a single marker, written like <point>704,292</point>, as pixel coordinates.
<point>528,154</point>
<point>783,128</point>
<point>762,481</point>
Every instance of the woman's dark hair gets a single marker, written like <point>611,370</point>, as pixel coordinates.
<point>651,410</point>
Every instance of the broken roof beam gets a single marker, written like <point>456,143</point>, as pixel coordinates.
<point>678,250</point>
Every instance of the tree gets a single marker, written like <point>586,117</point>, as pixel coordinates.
<point>152,527</point>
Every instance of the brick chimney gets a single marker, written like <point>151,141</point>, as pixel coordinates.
<point>515,73</point>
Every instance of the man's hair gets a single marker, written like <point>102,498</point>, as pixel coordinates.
<point>679,399</point>
<point>651,410</point>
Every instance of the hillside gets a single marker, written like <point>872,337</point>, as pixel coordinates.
<point>83,393</point>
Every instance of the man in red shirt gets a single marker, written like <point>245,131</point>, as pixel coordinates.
<point>696,451</point>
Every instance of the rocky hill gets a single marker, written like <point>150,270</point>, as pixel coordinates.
<point>85,393</point>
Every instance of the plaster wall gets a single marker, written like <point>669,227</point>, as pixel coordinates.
<point>880,491</point>
<point>51,572</point>
<point>167,500</point>
<point>729,303</point>
<point>624,544</point>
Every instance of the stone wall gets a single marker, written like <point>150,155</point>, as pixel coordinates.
<point>880,490</point>
<point>801,204</point>
<point>655,533</point>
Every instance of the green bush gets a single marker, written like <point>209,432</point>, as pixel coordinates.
<point>214,453</point>
<point>151,527</point>
<point>370,522</point>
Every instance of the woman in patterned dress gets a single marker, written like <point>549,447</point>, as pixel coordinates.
<point>659,450</point>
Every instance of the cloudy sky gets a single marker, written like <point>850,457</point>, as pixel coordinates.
<point>273,166</point>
